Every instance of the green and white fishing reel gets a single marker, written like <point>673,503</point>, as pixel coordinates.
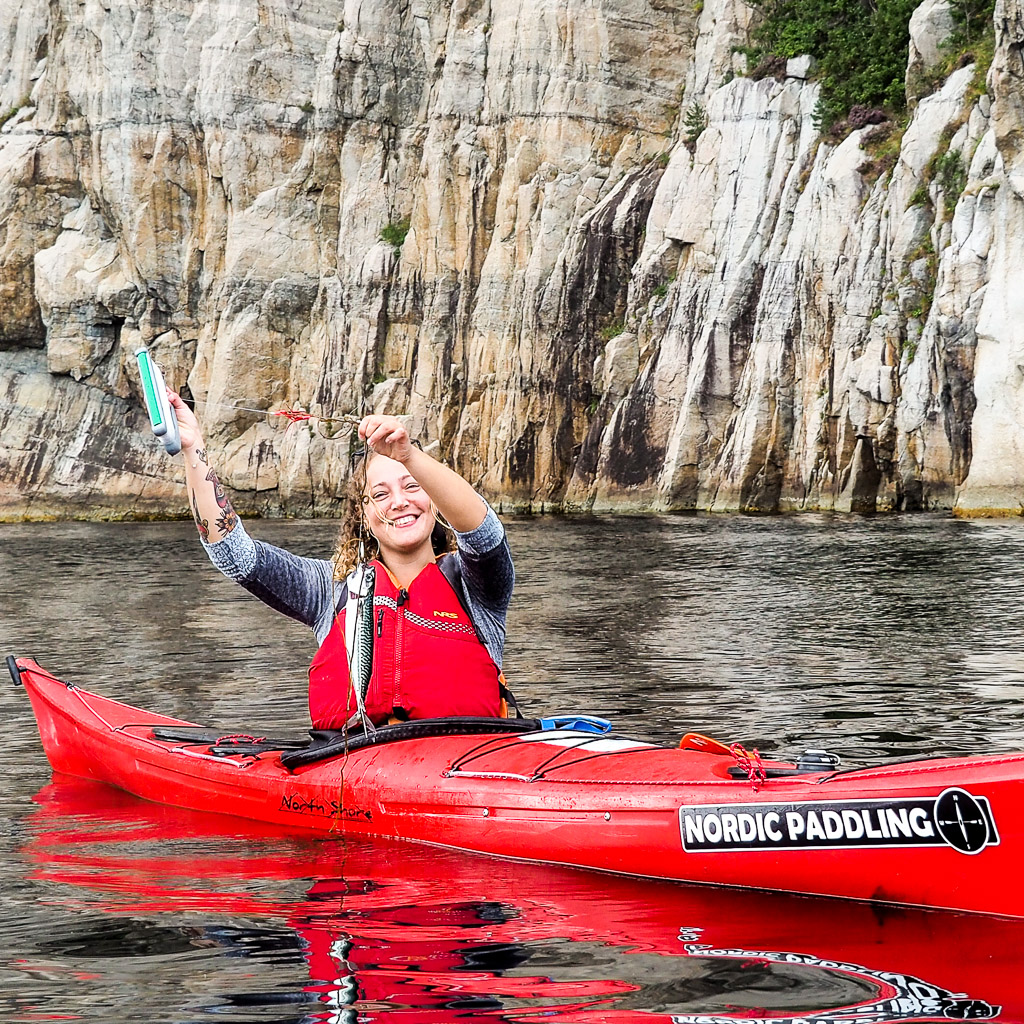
<point>161,415</point>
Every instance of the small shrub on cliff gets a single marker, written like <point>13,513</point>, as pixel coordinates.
<point>612,330</point>
<point>395,232</point>
<point>919,197</point>
<point>920,286</point>
<point>882,144</point>
<point>861,116</point>
<point>951,174</point>
<point>8,114</point>
<point>973,18</point>
<point>694,123</point>
<point>766,66</point>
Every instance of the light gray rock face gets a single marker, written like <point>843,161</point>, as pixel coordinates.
<point>812,336</point>
<point>496,220</point>
<point>996,243</point>
<point>930,26</point>
<point>801,67</point>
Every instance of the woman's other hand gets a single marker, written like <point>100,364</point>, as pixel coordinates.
<point>386,436</point>
<point>188,425</point>
<point>454,498</point>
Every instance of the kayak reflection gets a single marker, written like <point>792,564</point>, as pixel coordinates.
<point>368,931</point>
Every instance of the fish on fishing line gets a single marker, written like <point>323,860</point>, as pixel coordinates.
<point>359,636</point>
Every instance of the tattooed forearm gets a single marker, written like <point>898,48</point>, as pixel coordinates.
<point>202,525</point>
<point>214,517</point>
<point>228,519</point>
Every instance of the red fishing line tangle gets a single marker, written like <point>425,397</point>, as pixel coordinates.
<point>294,415</point>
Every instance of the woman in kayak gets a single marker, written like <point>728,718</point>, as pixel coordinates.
<point>438,629</point>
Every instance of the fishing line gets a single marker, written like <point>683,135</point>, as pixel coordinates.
<point>225,405</point>
<point>292,415</point>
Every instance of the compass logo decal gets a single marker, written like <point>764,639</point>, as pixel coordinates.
<point>961,821</point>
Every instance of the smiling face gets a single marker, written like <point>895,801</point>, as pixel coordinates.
<point>397,509</point>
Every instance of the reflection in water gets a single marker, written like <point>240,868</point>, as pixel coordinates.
<point>877,638</point>
<point>260,925</point>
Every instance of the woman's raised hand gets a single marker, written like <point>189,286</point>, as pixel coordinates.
<point>455,499</point>
<point>386,436</point>
<point>188,425</point>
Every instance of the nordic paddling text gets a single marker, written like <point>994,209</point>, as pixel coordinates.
<point>953,818</point>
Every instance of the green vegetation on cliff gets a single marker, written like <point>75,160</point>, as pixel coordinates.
<point>395,232</point>
<point>860,46</point>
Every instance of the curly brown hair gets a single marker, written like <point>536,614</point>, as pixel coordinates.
<point>353,501</point>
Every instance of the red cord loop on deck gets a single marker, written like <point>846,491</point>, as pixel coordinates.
<point>750,762</point>
<point>239,739</point>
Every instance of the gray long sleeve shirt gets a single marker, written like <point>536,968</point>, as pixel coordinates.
<point>305,588</point>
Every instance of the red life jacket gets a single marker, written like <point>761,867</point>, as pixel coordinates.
<point>428,661</point>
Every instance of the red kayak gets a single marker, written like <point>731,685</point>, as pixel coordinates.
<point>415,924</point>
<point>944,833</point>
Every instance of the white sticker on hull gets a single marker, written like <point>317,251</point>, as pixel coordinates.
<point>595,743</point>
<point>954,818</point>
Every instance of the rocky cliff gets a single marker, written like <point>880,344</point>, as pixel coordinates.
<point>498,219</point>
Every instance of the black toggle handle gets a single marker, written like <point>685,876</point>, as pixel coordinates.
<point>12,667</point>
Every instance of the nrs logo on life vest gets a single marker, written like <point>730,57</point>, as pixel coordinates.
<point>953,818</point>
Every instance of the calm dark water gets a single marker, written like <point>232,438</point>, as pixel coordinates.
<point>875,638</point>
